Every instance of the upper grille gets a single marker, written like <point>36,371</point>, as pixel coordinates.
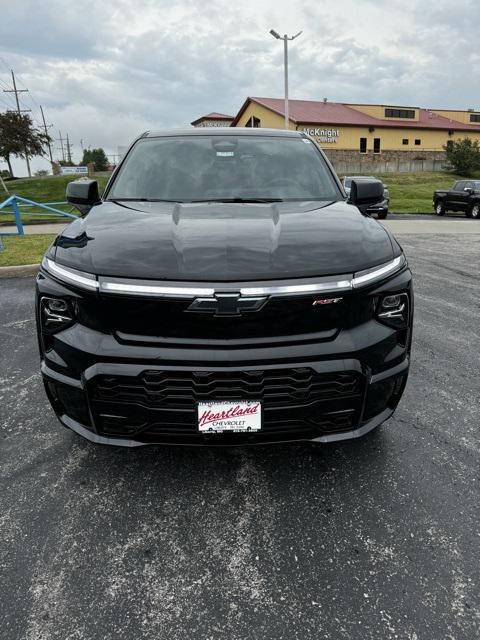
<point>171,321</point>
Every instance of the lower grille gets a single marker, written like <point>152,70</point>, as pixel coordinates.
<point>182,389</point>
<point>158,404</point>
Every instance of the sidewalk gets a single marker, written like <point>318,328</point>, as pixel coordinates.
<point>51,227</point>
<point>432,225</point>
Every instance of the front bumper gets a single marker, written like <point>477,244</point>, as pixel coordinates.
<point>340,400</point>
<point>115,392</point>
<point>331,426</point>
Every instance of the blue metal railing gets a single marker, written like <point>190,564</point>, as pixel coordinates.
<point>14,203</point>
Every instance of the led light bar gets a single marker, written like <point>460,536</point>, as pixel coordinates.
<point>378,273</point>
<point>71,276</point>
<point>333,285</point>
<point>153,289</point>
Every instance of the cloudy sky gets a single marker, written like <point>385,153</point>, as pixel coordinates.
<point>105,71</point>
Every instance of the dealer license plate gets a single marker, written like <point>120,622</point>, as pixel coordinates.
<point>235,416</point>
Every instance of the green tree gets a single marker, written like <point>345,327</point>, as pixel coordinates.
<point>18,137</point>
<point>463,155</point>
<point>97,156</point>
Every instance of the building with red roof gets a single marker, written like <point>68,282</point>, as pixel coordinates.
<point>379,133</point>
<point>213,119</point>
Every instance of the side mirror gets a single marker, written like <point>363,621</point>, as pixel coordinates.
<point>83,194</point>
<point>468,189</point>
<point>365,192</point>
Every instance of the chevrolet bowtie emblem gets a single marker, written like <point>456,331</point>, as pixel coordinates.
<point>226,304</point>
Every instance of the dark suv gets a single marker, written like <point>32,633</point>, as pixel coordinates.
<point>223,292</point>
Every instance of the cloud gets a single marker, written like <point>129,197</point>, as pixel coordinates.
<point>105,71</point>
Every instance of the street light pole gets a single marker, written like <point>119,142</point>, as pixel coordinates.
<point>285,39</point>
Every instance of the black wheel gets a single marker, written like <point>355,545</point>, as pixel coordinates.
<point>474,211</point>
<point>382,215</point>
<point>439,208</point>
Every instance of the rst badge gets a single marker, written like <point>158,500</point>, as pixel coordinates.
<point>319,301</point>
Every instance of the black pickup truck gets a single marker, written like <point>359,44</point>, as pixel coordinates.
<point>463,196</point>
<point>223,291</point>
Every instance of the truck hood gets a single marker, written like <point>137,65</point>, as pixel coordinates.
<point>223,241</point>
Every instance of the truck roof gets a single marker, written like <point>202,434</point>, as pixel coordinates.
<point>222,131</point>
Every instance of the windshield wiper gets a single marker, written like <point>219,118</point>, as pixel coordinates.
<point>240,200</point>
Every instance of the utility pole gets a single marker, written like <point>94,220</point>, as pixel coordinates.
<point>285,39</point>
<point>69,150</point>
<point>46,127</point>
<point>61,145</point>
<point>19,111</point>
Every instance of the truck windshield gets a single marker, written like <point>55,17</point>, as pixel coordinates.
<point>225,168</point>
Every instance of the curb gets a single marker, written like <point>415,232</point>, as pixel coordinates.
<point>22,271</point>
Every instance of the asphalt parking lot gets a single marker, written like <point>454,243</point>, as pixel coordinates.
<point>376,539</point>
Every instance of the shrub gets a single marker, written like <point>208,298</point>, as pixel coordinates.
<point>463,155</point>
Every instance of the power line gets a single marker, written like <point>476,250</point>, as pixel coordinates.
<point>30,93</point>
<point>32,101</point>
<point>16,92</point>
<point>31,98</point>
<point>12,106</point>
<point>20,111</point>
<point>3,84</point>
<point>7,104</point>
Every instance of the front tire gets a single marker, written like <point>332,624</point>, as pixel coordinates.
<point>382,215</point>
<point>439,208</point>
<point>474,211</point>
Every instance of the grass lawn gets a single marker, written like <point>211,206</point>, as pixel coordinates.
<point>24,249</point>
<point>47,189</point>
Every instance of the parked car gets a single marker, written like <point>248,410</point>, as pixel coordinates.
<point>381,209</point>
<point>223,292</point>
<point>463,196</point>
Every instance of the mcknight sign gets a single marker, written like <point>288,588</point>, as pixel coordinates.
<point>323,135</point>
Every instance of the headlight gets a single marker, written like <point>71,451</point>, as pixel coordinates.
<point>56,314</point>
<point>393,310</point>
